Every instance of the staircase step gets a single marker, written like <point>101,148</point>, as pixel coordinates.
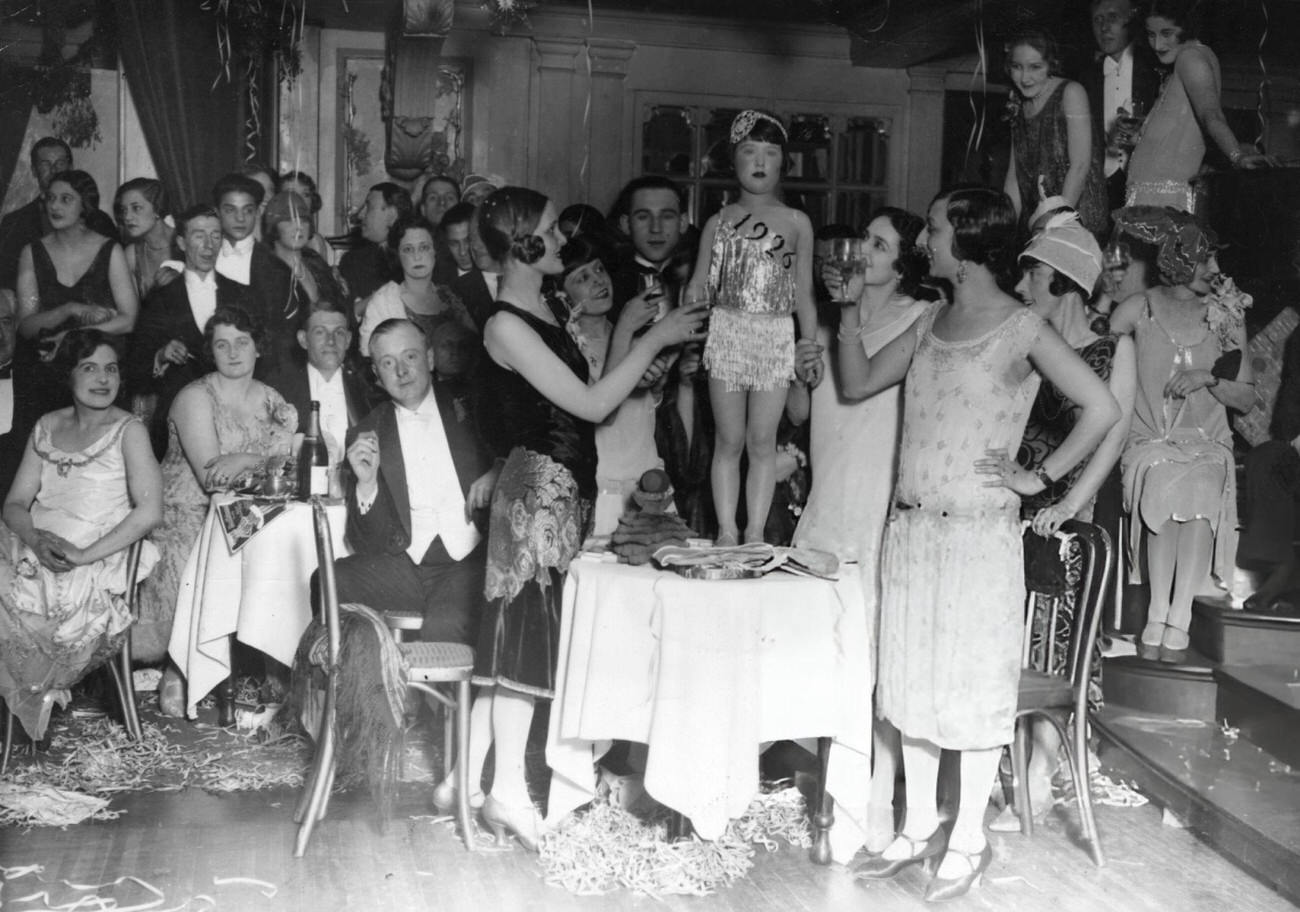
<point>1183,691</point>
<point>1231,636</point>
<point>1263,703</point>
<point>1228,791</point>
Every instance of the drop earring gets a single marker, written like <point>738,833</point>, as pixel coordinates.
<point>961,271</point>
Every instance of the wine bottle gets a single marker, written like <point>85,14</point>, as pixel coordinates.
<point>313,459</point>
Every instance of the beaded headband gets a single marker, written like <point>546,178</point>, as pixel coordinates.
<point>745,121</point>
<point>1182,243</point>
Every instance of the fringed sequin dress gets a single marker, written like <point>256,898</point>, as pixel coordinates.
<point>751,282</point>
<point>540,511</point>
<point>952,573</point>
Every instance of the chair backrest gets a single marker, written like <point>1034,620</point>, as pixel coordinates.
<point>132,577</point>
<point>329,593</point>
<point>1088,560</point>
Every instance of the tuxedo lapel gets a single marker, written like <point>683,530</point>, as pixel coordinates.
<point>458,427</point>
<point>392,466</point>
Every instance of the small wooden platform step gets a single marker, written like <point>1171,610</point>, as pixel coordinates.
<point>1263,702</point>
<point>1183,691</point>
<point>1231,636</point>
<point>1237,797</point>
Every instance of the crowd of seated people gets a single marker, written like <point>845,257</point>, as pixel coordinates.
<point>495,371</point>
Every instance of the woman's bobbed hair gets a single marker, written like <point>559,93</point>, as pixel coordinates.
<point>507,222</point>
<point>984,230</point>
<point>1039,40</point>
<point>911,264</point>
<point>240,319</point>
<point>151,189</point>
<point>83,185</point>
<point>79,344</point>
<point>411,221</point>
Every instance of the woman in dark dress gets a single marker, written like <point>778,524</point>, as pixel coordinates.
<point>73,276</point>
<point>539,412</point>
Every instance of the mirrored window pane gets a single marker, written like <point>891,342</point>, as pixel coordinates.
<point>816,203</point>
<point>666,142</point>
<point>717,142</point>
<point>809,149</point>
<point>864,151</point>
<point>854,207</point>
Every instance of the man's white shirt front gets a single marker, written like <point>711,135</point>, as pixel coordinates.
<point>202,292</point>
<point>236,259</point>
<point>433,488</point>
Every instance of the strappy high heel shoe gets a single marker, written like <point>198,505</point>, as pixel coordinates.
<point>524,822</point>
<point>942,889</point>
<point>924,853</point>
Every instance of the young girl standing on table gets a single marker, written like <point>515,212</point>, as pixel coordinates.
<point>755,263</point>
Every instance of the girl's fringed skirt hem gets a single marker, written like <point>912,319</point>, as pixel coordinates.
<point>750,351</point>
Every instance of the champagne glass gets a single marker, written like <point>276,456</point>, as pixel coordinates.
<point>843,258</point>
<point>1129,124</point>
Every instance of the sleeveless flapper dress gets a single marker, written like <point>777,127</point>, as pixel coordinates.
<point>952,577</point>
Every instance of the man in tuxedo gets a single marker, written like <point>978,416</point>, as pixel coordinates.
<point>325,375</point>
<point>1124,74</point>
<point>650,212</point>
<point>417,505</point>
<point>477,288</point>
<point>167,348</point>
<point>455,227</point>
<point>370,265</point>
<point>265,282</point>
<point>50,155</point>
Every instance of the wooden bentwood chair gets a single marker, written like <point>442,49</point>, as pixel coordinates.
<point>119,666</point>
<point>1055,687</point>
<point>427,664</point>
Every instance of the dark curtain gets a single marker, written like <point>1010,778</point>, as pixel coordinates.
<point>194,130</point>
<point>15,109</point>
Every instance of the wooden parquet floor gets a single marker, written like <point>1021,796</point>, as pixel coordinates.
<point>180,841</point>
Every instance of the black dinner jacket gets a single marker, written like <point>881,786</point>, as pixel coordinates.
<point>270,297</point>
<point>386,527</point>
<point>27,224</point>
<point>1145,89</point>
<point>473,292</point>
<point>293,385</point>
<point>166,315</point>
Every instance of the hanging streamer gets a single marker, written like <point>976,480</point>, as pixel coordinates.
<point>1263,80</point>
<point>586,110</point>
<point>980,72</point>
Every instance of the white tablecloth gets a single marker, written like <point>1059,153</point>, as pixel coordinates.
<point>703,673</point>
<point>261,595</point>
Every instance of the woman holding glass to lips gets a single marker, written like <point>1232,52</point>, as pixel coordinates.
<point>952,567</point>
<point>222,428</point>
<point>1171,146</point>
<point>854,449</point>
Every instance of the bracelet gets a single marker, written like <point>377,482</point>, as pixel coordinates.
<point>849,335</point>
<point>1234,156</point>
<point>1041,474</point>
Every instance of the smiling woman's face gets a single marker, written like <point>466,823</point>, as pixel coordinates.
<point>589,289</point>
<point>96,380</point>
